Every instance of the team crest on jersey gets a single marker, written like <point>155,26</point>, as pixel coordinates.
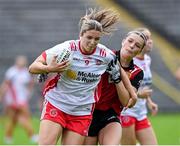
<point>53,112</point>
<point>71,74</point>
<point>86,62</point>
<point>125,119</point>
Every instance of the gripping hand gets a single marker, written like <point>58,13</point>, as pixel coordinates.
<point>114,71</point>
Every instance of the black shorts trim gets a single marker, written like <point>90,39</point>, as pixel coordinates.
<point>101,119</point>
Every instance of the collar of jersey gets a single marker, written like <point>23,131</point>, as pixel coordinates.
<point>85,53</point>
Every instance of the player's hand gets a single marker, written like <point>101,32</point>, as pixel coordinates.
<point>132,101</point>
<point>58,67</point>
<point>114,71</point>
<point>153,108</point>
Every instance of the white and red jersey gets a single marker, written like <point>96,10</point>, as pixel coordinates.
<point>139,111</point>
<point>18,87</point>
<point>74,91</point>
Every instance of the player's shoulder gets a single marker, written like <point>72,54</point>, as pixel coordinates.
<point>11,69</point>
<point>137,73</point>
<point>105,50</point>
<point>147,57</point>
<point>65,43</point>
<point>101,46</point>
<point>138,70</point>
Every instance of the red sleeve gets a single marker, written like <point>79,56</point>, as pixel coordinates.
<point>44,55</point>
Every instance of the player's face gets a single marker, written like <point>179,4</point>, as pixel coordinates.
<point>89,40</point>
<point>132,45</point>
<point>21,61</point>
<point>149,43</point>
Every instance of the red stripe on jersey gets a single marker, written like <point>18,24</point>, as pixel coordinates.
<point>44,55</point>
<point>51,83</point>
<point>102,52</point>
<point>73,46</point>
<point>134,72</point>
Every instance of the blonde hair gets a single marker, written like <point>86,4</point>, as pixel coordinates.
<point>101,20</point>
<point>139,32</point>
<point>143,30</point>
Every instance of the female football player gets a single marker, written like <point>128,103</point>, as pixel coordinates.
<point>135,123</point>
<point>105,127</point>
<point>16,90</point>
<point>70,96</point>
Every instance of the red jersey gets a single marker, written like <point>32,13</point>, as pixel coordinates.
<point>109,97</point>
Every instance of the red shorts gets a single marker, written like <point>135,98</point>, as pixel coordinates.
<point>78,124</point>
<point>128,121</point>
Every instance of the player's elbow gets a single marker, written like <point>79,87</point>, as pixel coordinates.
<point>31,69</point>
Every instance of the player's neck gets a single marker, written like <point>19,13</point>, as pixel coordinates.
<point>125,62</point>
<point>140,56</point>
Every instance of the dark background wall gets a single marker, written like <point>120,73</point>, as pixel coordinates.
<point>161,15</point>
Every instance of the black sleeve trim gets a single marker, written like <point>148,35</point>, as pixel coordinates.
<point>136,81</point>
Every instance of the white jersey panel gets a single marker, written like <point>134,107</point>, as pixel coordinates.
<point>140,110</point>
<point>18,91</point>
<point>75,91</point>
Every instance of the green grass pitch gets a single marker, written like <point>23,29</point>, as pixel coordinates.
<point>166,126</point>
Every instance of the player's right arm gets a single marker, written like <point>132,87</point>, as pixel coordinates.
<point>40,66</point>
<point>132,91</point>
<point>144,92</point>
<point>117,75</point>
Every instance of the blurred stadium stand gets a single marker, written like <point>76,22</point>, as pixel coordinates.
<point>162,16</point>
<point>31,26</point>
